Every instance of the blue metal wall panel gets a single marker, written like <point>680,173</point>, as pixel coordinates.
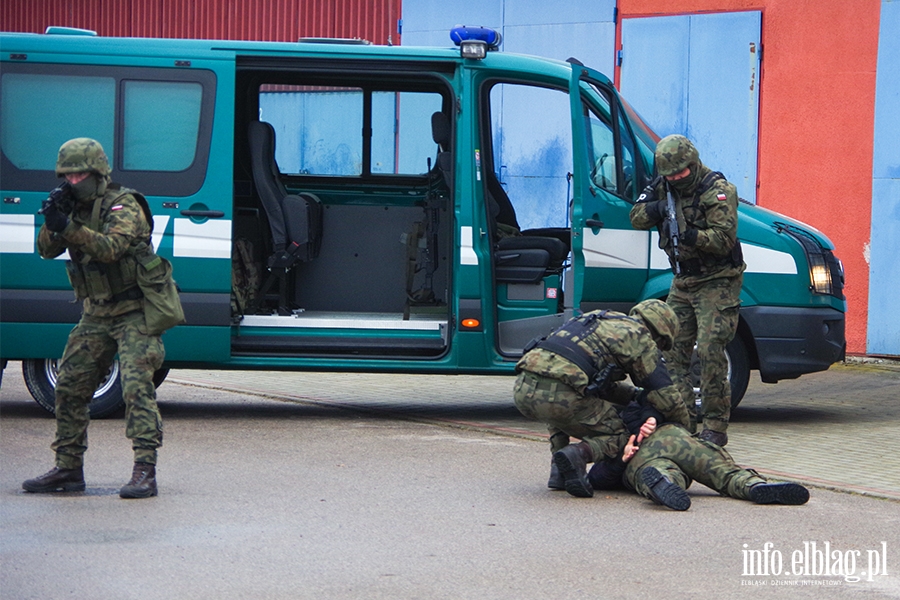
<point>723,101</point>
<point>655,67</point>
<point>698,75</point>
<point>581,28</point>
<point>428,23</point>
<point>884,268</point>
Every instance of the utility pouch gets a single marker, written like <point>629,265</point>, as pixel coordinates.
<point>76,278</point>
<point>97,282</point>
<point>162,305</point>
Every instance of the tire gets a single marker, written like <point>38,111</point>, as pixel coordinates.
<point>40,378</point>
<point>738,371</point>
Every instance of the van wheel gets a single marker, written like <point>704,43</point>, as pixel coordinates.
<point>738,371</point>
<point>40,378</point>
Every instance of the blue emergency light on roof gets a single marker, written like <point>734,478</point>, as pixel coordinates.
<point>474,42</point>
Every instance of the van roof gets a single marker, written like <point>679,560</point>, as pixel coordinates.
<point>72,42</point>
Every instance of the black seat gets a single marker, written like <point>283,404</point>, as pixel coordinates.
<point>528,257</point>
<point>295,221</point>
<point>440,133</point>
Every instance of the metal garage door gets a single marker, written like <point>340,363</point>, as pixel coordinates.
<point>698,75</point>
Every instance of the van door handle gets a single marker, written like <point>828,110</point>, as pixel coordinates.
<point>594,223</point>
<point>209,214</point>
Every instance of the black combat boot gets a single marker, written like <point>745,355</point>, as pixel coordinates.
<point>572,466</point>
<point>664,491</point>
<point>56,480</point>
<point>719,438</point>
<point>143,482</point>
<point>556,481</point>
<point>779,493</point>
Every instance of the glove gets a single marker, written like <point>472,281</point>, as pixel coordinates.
<point>54,219</point>
<point>655,210</point>
<point>689,237</point>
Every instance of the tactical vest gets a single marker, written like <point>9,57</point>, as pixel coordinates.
<point>106,283</point>
<point>705,262</point>
<point>600,379</point>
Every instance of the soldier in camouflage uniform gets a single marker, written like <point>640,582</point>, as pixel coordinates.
<point>101,225</point>
<point>706,258</point>
<point>663,465</point>
<point>571,380</point>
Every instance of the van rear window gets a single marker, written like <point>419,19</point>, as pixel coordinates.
<point>147,105</point>
<point>41,112</point>
<point>150,121</point>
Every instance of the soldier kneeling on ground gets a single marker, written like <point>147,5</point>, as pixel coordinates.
<point>572,381</point>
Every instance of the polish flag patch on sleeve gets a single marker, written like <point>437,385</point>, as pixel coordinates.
<point>120,207</point>
<point>718,197</point>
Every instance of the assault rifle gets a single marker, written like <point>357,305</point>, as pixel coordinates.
<point>62,197</point>
<point>674,233</point>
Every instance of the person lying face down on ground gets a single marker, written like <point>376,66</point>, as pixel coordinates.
<point>660,463</point>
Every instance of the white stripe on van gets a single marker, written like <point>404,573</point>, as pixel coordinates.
<point>467,254</point>
<point>766,260</point>
<point>632,249</point>
<point>211,239</point>
<point>160,222</point>
<point>615,249</point>
<point>17,234</point>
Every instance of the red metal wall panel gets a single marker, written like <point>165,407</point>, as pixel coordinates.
<point>276,20</point>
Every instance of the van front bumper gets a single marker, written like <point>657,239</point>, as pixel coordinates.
<point>793,341</point>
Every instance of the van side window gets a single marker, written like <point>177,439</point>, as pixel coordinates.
<point>401,131</point>
<point>322,130</point>
<point>149,103</point>
<point>41,112</point>
<point>611,152</point>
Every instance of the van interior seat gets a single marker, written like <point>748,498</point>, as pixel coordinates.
<point>295,221</point>
<point>518,258</point>
<point>440,133</point>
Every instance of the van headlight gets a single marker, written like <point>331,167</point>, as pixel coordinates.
<point>826,272</point>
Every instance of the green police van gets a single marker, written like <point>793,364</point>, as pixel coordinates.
<point>334,205</point>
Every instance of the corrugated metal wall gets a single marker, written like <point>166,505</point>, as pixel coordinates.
<point>276,20</point>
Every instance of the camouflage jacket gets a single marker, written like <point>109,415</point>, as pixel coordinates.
<point>714,214</point>
<point>626,343</point>
<point>122,225</point>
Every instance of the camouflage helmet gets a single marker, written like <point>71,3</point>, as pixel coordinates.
<point>674,153</point>
<point>82,155</point>
<point>660,319</point>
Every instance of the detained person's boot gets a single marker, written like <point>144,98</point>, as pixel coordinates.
<point>56,480</point>
<point>572,466</point>
<point>143,482</point>
<point>663,491</point>
<point>779,493</point>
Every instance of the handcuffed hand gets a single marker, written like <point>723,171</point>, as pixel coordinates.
<point>647,429</point>
<point>630,450</point>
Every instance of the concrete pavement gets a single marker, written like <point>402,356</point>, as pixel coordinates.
<point>839,429</point>
<point>336,491</point>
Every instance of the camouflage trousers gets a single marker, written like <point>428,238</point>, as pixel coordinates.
<point>568,413</point>
<point>708,316</point>
<point>89,353</point>
<point>683,457</point>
